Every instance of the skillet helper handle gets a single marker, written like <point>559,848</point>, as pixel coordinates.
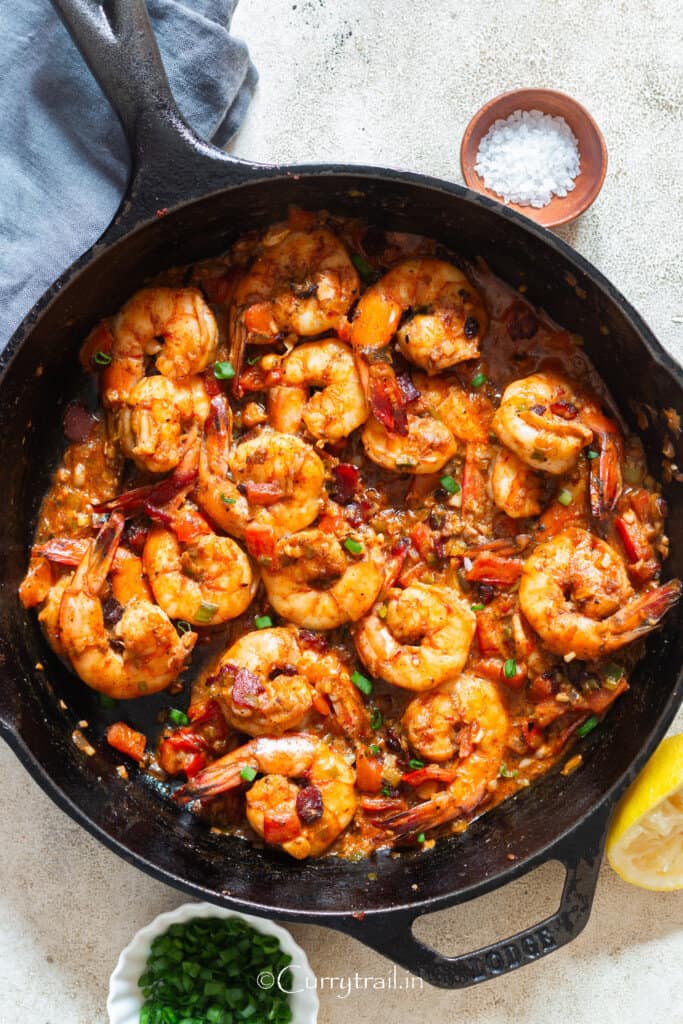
<point>581,855</point>
<point>170,162</point>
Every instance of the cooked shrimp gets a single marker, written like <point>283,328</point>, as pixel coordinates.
<point>315,582</point>
<point>421,639</point>
<point>205,582</point>
<point>48,616</point>
<point>547,422</point>
<point>303,820</point>
<point>476,709</point>
<point>156,424</point>
<point>153,654</point>
<point>175,325</point>
<point>426,446</point>
<point>267,682</point>
<point>447,316</point>
<point>329,414</point>
<point>281,475</point>
<point>515,487</point>
<point>576,594</point>
<point>303,283</point>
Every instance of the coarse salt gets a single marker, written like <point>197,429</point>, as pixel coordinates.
<point>528,158</point>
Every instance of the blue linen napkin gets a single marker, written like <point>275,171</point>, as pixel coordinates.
<point>63,157</point>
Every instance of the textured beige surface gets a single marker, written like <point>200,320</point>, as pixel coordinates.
<point>395,82</point>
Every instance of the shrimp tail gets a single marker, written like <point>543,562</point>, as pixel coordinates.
<point>150,497</point>
<point>97,561</point>
<point>605,476</point>
<point>643,614</point>
<point>439,810</point>
<point>219,777</point>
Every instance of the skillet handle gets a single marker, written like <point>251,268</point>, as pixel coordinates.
<point>170,163</point>
<point>581,855</point>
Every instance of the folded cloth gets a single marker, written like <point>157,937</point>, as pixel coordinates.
<point>63,157</point>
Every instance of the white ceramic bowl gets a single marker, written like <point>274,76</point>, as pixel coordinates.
<point>125,998</point>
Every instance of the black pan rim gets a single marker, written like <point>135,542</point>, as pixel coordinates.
<point>655,352</point>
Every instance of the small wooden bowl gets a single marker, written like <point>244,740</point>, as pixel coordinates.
<point>592,151</point>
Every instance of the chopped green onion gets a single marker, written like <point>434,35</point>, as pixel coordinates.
<point>353,546</point>
<point>183,627</point>
<point>565,497</point>
<point>592,454</point>
<point>405,462</point>
<point>382,611</point>
<point>361,265</point>
<point>205,612</point>
<point>421,837</point>
<point>263,622</point>
<point>373,749</point>
<point>510,668</point>
<point>386,789</point>
<point>362,683</point>
<point>223,371</point>
<point>449,484</point>
<point>107,702</point>
<point>479,379</point>
<point>228,501</point>
<point>477,607</point>
<point>614,671</point>
<point>376,719</point>
<point>587,726</point>
<point>102,358</point>
<point>505,772</point>
<point>414,763</point>
<point>216,971</point>
<point>248,773</point>
<point>178,717</point>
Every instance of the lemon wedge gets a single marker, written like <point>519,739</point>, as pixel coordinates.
<point>645,839</point>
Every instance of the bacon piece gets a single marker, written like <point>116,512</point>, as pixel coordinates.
<point>78,423</point>
<point>246,688</point>
<point>346,478</point>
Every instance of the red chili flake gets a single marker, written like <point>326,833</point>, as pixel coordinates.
<point>408,389</point>
<point>346,478</point>
<point>78,423</point>
<point>387,400</point>
<point>309,804</point>
<point>471,328</point>
<point>246,688</point>
<point>162,211</point>
<point>314,640</point>
<point>134,536</point>
<point>567,410</point>
<point>430,773</point>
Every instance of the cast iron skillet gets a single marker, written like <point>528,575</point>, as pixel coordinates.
<point>207,199</point>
